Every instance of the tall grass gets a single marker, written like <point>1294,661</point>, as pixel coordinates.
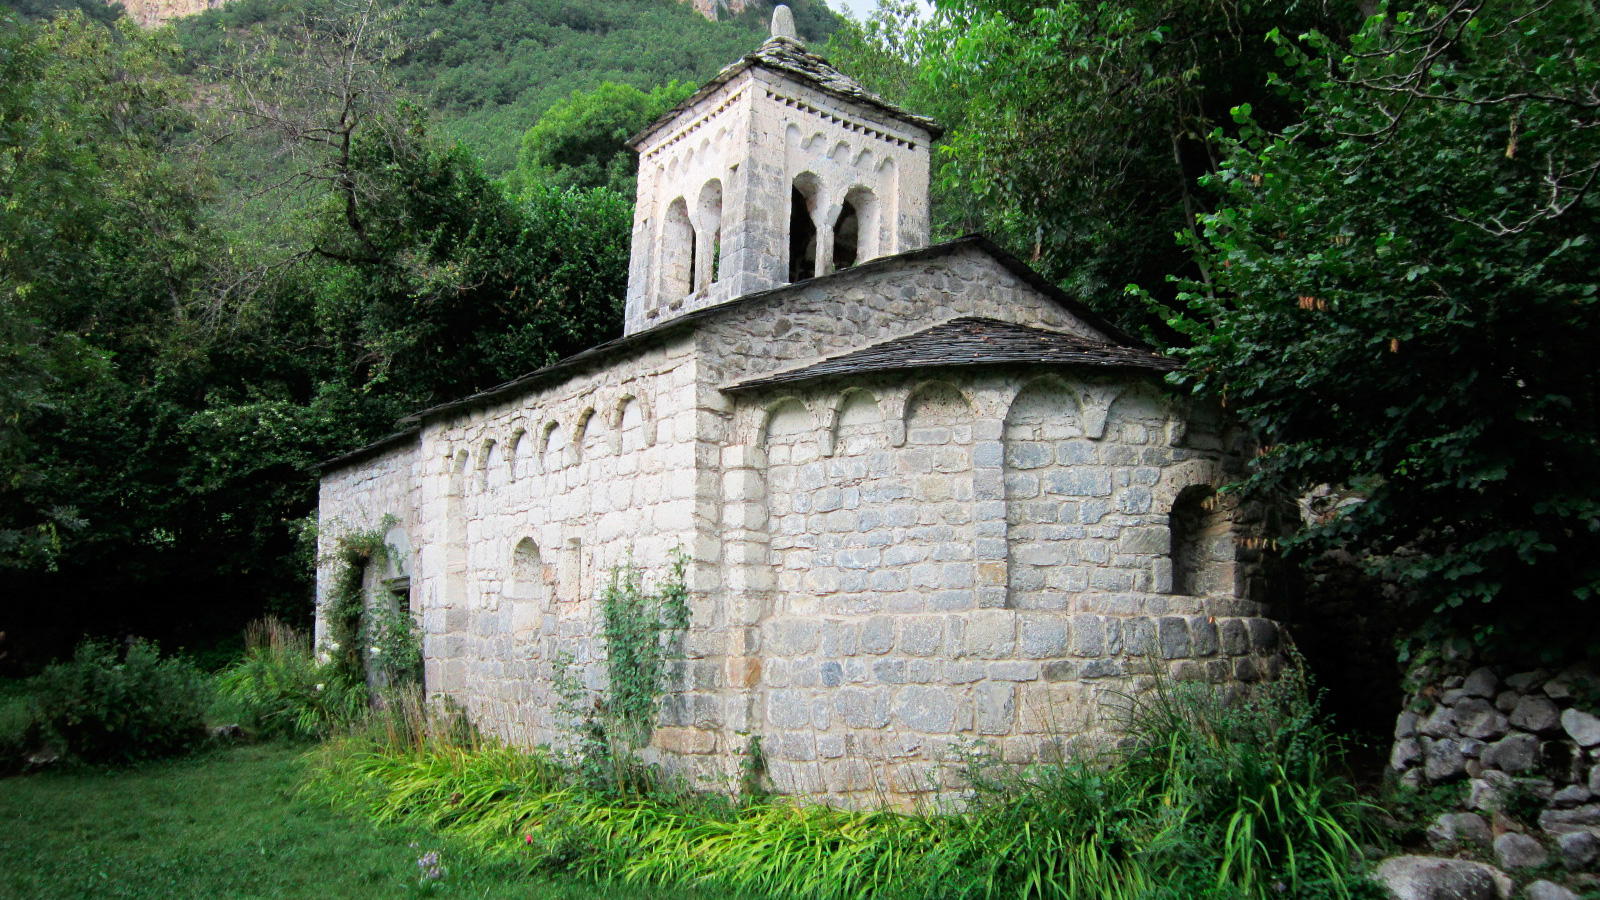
<point>280,689</point>
<point>1205,799</point>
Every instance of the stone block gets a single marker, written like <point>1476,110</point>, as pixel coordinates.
<point>1578,849</point>
<point>996,708</point>
<point>1431,878</point>
<point>1549,890</point>
<point>1482,682</point>
<point>792,637</point>
<point>1442,760</point>
<point>1581,727</point>
<point>877,635</point>
<point>862,708</point>
<point>1518,851</point>
<point>990,634</point>
<point>1514,753</point>
<point>1468,829</point>
<point>1043,637</point>
<point>926,710</point>
<point>1535,714</point>
<point>1172,636</point>
<point>921,637</point>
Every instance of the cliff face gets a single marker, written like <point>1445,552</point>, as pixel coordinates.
<point>150,13</point>
<point>711,9</point>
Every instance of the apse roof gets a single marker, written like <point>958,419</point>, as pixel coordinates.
<point>971,341</point>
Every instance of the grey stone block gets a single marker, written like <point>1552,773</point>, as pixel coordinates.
<point>1043,638</point>
<point>1578,849</point>
<point>1172,634</point>
<point>1518,851</point>
<point>1482,682</point>
<point>1460,828</point>
<point>1535,714</point>
<point>1431,878</point>
<point>1442,760</point>
<point>928,710</point>
<point>1514,753</point>
<point>1582,727</point>
<point>1236,639</point>
<point>862,707</point>
<point>1549,890</point>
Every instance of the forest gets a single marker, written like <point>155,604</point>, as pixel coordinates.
<point>236,246</point>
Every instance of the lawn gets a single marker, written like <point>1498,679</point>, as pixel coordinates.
<point>225,824</point>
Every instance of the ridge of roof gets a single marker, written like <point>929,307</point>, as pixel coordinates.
<point>790,57</point>
<point>970,341</point>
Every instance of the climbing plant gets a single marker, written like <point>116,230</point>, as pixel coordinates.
<point>641,631</point>
<point>363,635</point>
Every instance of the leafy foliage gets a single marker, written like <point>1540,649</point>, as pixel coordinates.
<point>108,706</point>
<point>1087,123</point>
<point>582,141</point>
<point>1403,301</point>
<point>642,632</point>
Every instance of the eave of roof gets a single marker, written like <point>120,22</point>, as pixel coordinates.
<point>633,342</point>
<point>970,341</point>
<point>370,450</point>
<point>791,58</point>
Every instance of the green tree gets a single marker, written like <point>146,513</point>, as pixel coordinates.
<point>582,141</point>
<point>1403,301</point>
<point>1087,123</point>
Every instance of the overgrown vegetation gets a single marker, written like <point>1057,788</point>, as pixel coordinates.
<point>1207,801</point>
<point>643,632</point>
<point>280,689</point>
<point>111,704</point>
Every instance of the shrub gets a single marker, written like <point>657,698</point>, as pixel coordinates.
<point>279,689</point>
<point>106,706</point>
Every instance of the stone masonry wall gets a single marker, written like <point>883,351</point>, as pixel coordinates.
<point>977,558</point>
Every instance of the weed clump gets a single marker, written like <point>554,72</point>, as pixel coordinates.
<point>278,689</point>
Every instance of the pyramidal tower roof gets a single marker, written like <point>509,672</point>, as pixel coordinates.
<point>785,53</point>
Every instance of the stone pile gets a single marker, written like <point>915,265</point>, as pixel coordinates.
<point>1526,749</point>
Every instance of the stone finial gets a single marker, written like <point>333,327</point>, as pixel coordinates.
<point>783,23</point>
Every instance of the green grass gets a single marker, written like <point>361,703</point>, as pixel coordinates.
<point>225,824</point>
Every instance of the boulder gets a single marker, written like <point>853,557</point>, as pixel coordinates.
<point>1460,828</point>
<point>1439,723</point>
<point>1584,728</point>
<point>1568,821</point>
<point>1518,851</point>
<point>1524,680</point>
<point>1549,890</point>
<point>1570,796</point>
<point>1536,714</point>
<point>1406,753</point>
<point>1578,849</point>
<point>1513,753</point>
<point>1482,682</point>
<point>1432,878</point>
<point>1489,790</point>
<point>1442,760</point>
<point>1405,725</point>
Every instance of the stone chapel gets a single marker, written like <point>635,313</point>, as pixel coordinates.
<point>928,498</point>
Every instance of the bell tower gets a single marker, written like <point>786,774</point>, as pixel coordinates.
<point>779,169</point>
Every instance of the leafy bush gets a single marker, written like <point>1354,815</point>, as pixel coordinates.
<point>110,707</point>
<point>279,689</point>
<point>1207,800</point>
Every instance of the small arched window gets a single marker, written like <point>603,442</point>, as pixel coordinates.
<point>846,237</point>
<point>711,228</point>
<point>1202,543</point>
<point>802,228</point>
<point>677,251</point>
